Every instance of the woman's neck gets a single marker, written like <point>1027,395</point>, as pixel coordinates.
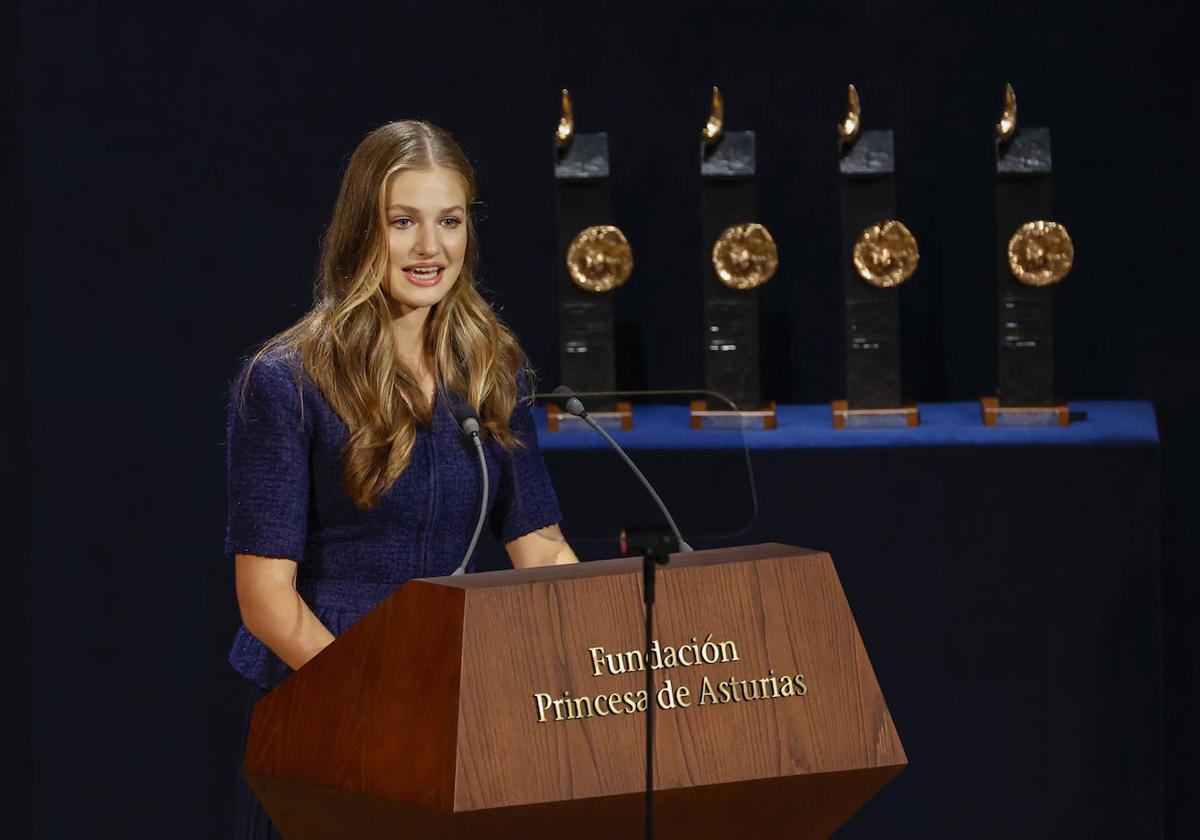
<point>408,337</point>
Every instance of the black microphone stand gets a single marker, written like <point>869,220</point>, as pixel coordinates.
<point>656,554</point>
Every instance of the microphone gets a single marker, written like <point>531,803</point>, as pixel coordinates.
<point>468,422</point>
<point>574,406</point>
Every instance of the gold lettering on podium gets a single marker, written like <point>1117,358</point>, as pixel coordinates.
<point>688,654</point>
<point>672,695</point>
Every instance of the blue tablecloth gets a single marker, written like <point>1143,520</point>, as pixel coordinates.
<point>810,426</point>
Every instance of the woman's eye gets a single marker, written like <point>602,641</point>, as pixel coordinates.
<point>451,222</point>
<point>402,223</point>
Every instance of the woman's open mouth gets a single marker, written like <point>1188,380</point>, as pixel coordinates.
<point>424,275</point>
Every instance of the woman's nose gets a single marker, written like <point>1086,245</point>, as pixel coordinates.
<point>426,242</point>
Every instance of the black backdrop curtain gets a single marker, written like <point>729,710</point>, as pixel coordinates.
<point>173,169</point>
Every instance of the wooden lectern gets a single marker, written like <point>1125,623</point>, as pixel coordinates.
<point>506,705</point>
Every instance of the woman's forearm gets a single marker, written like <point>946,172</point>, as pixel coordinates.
<point>275,613</point>
<point>545,547</point>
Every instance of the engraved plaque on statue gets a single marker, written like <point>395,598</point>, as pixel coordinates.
<point>1033,254</point>
<point>879,253</point>
<point>594,259</point>
<point>738,256</point>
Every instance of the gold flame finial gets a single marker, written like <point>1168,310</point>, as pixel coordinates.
<point>566,123</point>
<point>716,119</point>
<point>1007,127</point>
<point>849,127</point>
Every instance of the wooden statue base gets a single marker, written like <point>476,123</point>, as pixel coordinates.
<point>558,420</point>
<point>995,414</point>
<point>705,418</point>
<point>845,417</point>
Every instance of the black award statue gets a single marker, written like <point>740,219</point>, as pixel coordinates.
<point>594,258</point>
<point>879,254</point>
<point>739,255</point>
<point>1034,255</point>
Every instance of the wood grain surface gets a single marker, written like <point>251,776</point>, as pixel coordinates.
<point>422,720</point>
<point>376,712</point>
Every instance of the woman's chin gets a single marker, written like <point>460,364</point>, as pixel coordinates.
<point>406,297</point>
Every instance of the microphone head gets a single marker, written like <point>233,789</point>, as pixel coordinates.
<point>466,416</point>
<point>571,402</point>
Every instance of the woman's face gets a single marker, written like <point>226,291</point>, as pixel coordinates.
<point>426,234</point>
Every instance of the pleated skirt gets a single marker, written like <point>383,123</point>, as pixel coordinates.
<point>250,820</point>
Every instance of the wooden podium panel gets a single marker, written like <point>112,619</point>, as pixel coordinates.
<point>436,716</point>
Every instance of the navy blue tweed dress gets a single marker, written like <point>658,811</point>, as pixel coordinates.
<point>284,469</point>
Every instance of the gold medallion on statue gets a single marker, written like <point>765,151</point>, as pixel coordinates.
<point>745,256</point>
<point>886,255</point>
<point>599,258</point>
<point>1040,253</point>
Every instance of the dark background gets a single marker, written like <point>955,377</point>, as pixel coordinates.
<point>173,166</point>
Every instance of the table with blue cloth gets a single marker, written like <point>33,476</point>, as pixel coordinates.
<point>1006,582</point>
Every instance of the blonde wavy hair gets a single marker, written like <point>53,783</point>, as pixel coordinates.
<point>345,341</point>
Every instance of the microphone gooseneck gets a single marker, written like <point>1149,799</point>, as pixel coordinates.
<point>574,406</point>
<point>468,423</point>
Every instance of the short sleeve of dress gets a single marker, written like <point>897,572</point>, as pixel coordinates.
<point>525,499</point>
<point>267,462</point>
